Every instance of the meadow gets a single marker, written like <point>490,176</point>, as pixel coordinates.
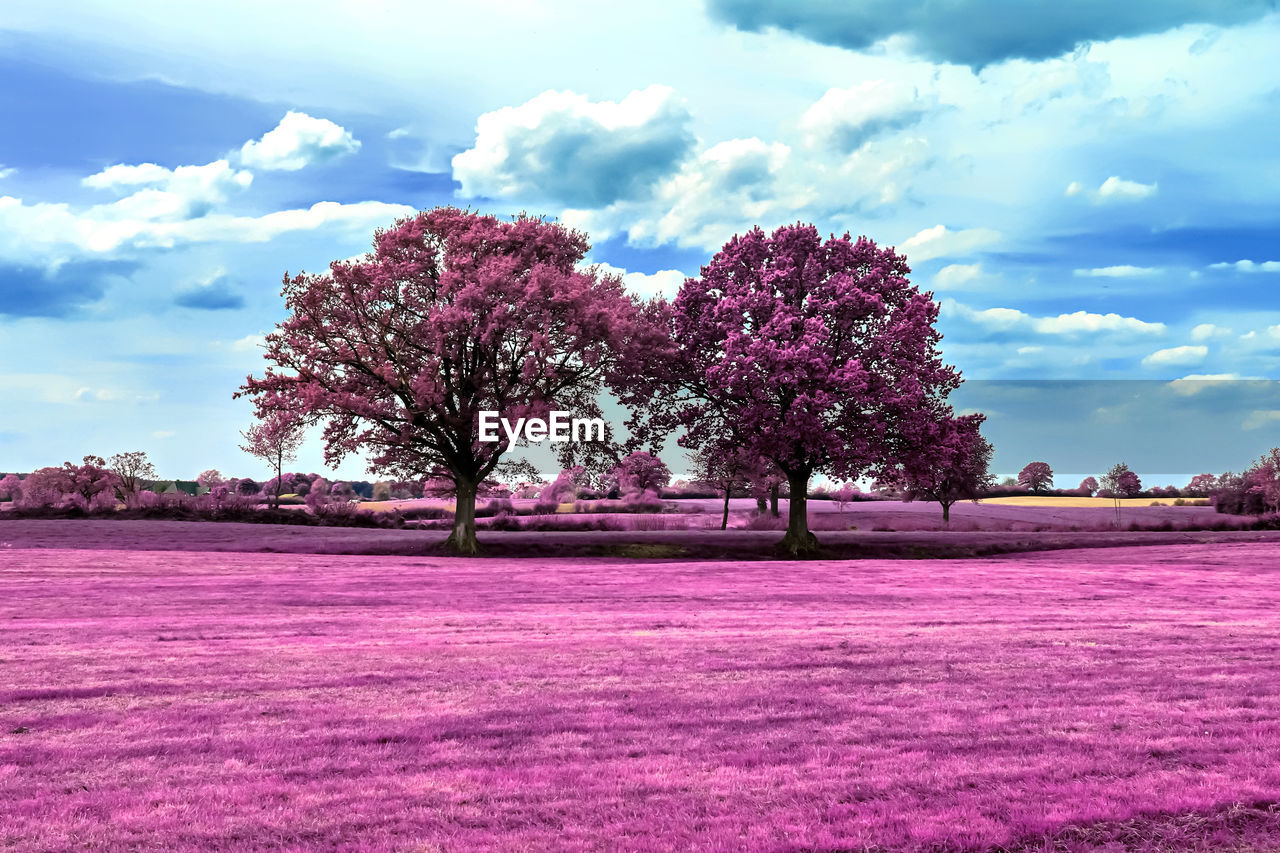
<point>1117,699</point>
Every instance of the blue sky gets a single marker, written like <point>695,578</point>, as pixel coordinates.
<point>1090,193</point>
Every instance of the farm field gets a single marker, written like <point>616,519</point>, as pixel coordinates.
<point>1068,700</point>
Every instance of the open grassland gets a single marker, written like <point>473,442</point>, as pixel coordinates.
<point>1082,502</point>
<point>234,701</point>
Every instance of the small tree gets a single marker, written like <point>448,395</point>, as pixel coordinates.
<point>641,472</point>
<point>11,488</point>
<point>1120,482</point>
<point>382,491</point>
<point>1036,477</point>
<point>210,479</point>
<point>724,470</point>
<point>274,439</point>
<point>947,463</point>
<point>1201,486</point>
<point>1088,486</point>
<point>133,471</point>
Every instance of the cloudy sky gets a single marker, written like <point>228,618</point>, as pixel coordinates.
<point>1092,191</point>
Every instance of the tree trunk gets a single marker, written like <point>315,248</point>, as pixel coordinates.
<point>946,512</point>
<point>773,499</point>
<point>761,506</point>
<point>798,541</point>
<point>724,520</point>
<point>463,538</point>
<point>279,475</point>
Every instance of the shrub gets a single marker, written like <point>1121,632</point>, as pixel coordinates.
<point>545,507</point>
<point>494,507</point>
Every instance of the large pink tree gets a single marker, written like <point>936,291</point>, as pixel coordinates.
<point>808,353</point>
<point>452,314</point>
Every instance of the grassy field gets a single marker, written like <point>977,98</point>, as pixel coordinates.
<point>1082,502</point>
<point>218,702</point>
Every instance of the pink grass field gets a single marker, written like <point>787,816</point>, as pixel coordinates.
<point>1092,699</point>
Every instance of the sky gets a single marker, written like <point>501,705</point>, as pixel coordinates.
<point>1090,190</point>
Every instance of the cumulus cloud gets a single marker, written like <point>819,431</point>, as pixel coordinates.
<point>562,147</point>
<point>664,283</point>
<point>939,241</point>
<point>724,190</point>
<point>61,290</point>
<point>845,119</point>
<point>6,171</point>
<point>1259,418</point>
<point>1206,331</point>
<point>1116,188</point>
<point>1121,271</point>
<point>962,32</point>
<point>154,192</point>
<point>1248,266</point>
<point>1076,323</point>
<point>1177,356</point>
<point>50,234</point>
<point>213,293</point>
<point>299,140</point>
<point>955,275</point>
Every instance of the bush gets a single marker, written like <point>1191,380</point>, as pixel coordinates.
<point>495,507</point>
<point>546,507</point>
<point>424,513</point>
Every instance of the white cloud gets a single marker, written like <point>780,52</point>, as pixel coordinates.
<point>1121,271</point>
<point>249,343</point>
<point>154,192</point>
<point>846,119</point>
<point>664,283</point>
<point>1248,266</point>
<point>1194,383</point>
<point>1086,321</point>
<point>299,140</point>
<point>1074,188</point>
<point>52,233</point>
<point>1206,331</point>
<point>1177,356</point>
<point>1079,322</point>
<point>1259,418</point>
<point>1116,188</point>
<point>726,190</point>
<point>939,241</point>
<point>560,146</point>
<point>1029,350</point>
<point>163,433</point>
<point>955,275</point>
<point>6,171</point>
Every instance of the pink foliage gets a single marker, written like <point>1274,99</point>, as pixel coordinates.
<point>453,313</point>
<point>805,352</point>
<point>641,472</point>
<point>408,703</point>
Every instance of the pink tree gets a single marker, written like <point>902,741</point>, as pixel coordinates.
<point>641,472</point>
<point>1036,477</point>
<point>11,487</point>
<point>1201,486</point>
<point>946,462</point>
<point>452,314</point>
<point>1088,486</point>
<point>210,479</point>
<point>810,354</point>
<point>725,469</point>
<point>274,439</point>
